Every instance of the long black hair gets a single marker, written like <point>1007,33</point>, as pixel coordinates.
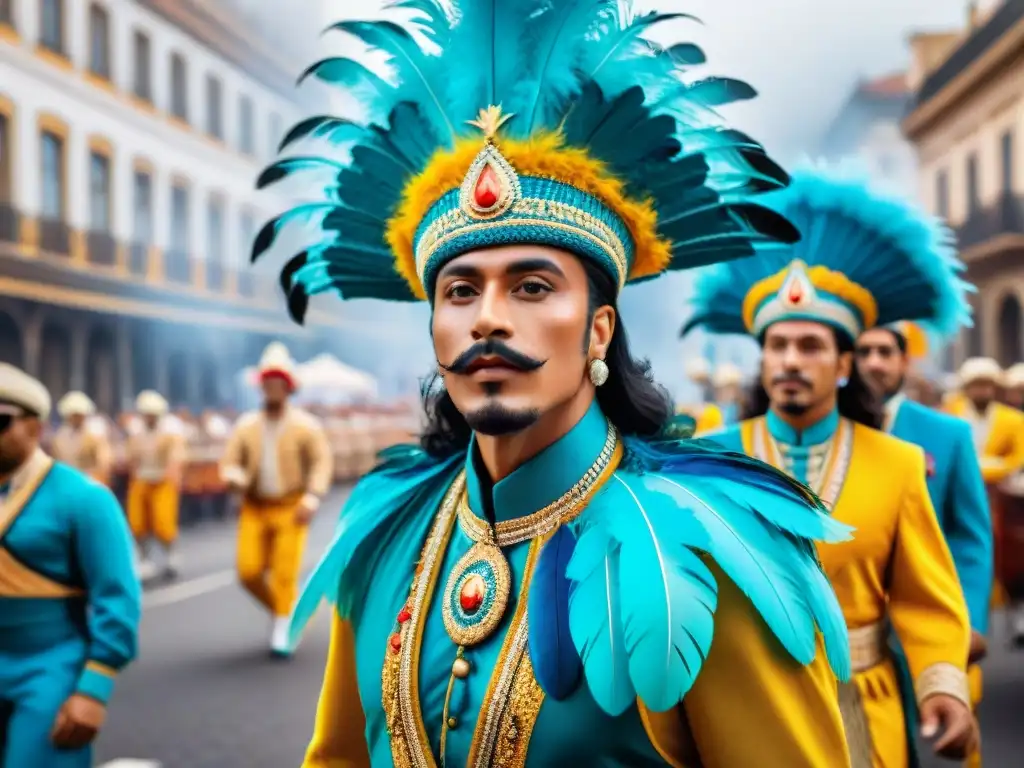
<point>630,398</point>
<point>856,401</point>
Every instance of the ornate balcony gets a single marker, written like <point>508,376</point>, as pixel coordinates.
<point>55,237</point>
<point>102,248</point>
<point>1003,217</point>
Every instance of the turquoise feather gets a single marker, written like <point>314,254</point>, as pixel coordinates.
<point>595,621</point>
<point>668,594</point>
<point>582,67</point>
<point>642,601</point>
<point>406,489</point>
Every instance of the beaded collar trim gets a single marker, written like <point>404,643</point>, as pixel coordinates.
<point>562,510</point>
<point>829,482</point>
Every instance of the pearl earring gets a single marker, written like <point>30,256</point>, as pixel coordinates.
<point>598,372</point>
<point>843,381</point>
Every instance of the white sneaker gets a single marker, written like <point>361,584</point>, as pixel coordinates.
<point>279,645</point>
<point>172,564</point>
<point>146,569</point>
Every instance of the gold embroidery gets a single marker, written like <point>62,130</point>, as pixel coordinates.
<point>410,745</point>
<point>829,484</point>
<point>494,725</point>
<point>522,213</point>
<point>517,721</point>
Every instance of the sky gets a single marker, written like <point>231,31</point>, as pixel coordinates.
<point>803,56</point>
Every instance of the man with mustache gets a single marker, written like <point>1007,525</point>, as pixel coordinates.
<point>547,579</point>
<point>865,260</point>
<point>69,600</point>
<point>957,491</point>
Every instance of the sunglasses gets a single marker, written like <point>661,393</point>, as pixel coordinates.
<point>8,416</point>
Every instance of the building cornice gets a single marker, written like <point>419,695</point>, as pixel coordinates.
<point>231,39</point>
<point>964,70</point>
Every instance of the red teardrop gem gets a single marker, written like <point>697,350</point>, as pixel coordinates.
<point>396,642</point>
<point>471,596</point>
<point>404,616</point>
<point>487,189</point>
<point>796,292</point>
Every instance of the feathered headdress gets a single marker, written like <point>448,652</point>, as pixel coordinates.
<point>865,259</point>
<point>521,121</point>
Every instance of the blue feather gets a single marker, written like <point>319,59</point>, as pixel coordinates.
<point>556,664</point>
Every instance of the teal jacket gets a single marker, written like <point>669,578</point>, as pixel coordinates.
<point>958,494</point>
<point>69,583</point>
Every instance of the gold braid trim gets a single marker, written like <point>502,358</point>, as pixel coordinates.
<point>943,678</point>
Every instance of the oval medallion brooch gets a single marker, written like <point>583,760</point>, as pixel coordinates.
<point>477,593</point>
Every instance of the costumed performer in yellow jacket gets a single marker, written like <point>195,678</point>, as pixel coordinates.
<point>547,579</point>
<point>82,440</point>
<point>998,429</point>
<point>864,260</point>
<point>279,459</point>
<point>156,452</point>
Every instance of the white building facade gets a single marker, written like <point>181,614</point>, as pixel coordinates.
<point>131,135</point>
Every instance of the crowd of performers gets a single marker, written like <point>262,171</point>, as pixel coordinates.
<point>563,571</point>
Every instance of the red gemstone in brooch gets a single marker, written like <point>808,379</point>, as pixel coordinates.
<point>472,594</point>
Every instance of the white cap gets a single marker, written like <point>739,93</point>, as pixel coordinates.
<point>19,388</point>
<point>75,404</point>
<point>727,375</point>
<point>698,370</point>
<point>276,359</point>
<point>1014,376</point>
<point>150,403</point>
<point>980,369</point>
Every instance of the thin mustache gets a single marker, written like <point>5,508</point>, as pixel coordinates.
<point>791,378</point>
<point>492,348</point>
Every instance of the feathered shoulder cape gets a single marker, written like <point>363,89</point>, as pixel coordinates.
<point>623,593</point>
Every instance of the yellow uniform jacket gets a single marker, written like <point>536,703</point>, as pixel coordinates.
<point>86,449</point>
<point>304,462</point>
<point>158,455</point>
<point>998,437</point>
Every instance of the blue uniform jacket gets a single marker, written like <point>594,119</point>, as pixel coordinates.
<point>66,578</point>
<point>958,495</point>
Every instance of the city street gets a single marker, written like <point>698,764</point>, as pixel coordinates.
<point>204,693</point>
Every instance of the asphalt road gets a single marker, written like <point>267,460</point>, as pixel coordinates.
<point>204,693</point>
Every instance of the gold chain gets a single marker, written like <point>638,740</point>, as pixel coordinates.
<point>564,509</point>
